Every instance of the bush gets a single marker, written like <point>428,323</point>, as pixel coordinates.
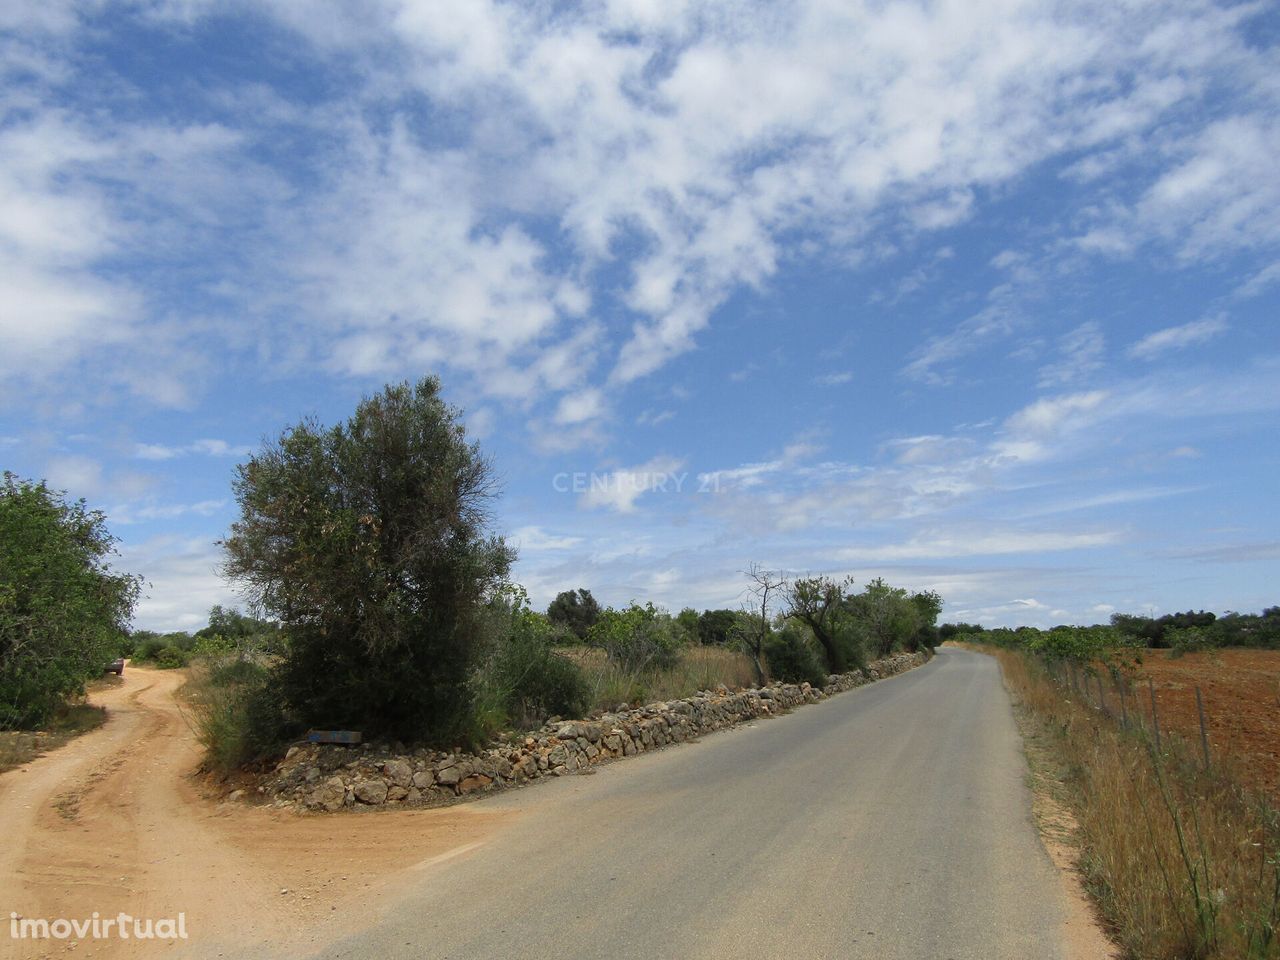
<point>63,610</point>
<point>638,637</point>
<point>237,716</point>
<point>170,658</point>
<point>367,540</point>
<point>792,658</point>
<point>522,680</point>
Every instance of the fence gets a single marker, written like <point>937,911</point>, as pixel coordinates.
<point>1129,706</point>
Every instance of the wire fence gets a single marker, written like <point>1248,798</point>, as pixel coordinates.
<point>1130,704</point>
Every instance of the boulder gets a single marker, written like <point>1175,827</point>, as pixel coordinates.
<point>371,792</point>
<point>328,796</point>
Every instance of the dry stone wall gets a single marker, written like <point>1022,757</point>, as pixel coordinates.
<point>316,777</point>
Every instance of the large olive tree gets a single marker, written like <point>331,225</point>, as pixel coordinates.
<point>63,609</point>
<point>367,541</point>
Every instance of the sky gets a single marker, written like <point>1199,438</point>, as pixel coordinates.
<point>979,296</point>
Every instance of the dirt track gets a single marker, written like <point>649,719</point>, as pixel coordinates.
<point>113,822</point>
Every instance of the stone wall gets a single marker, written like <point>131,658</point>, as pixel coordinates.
<point>328,778</point>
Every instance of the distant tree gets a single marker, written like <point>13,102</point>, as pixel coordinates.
<point>687,621</point>
<point>764,590</point>
<point>576,610</point>
<point>367,541</point>
<point>716,627</point>
<point>928,606</point>
<point>889,616</point>
<point>819,603</point>
<point>64,611</point>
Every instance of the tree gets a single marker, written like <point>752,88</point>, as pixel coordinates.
<point>63,610</point>
<point>716,627</point>
<point>890,617</point>
<point>818,603</point>
<point>575,609</point>
<point>687,621</point>
<point>754,630</point>
<point>367,542</point>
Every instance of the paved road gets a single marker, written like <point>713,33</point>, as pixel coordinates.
<point>889,822</point>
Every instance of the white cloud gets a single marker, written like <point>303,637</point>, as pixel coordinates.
<point>834,379</point>
<point>206,447</point>
<point>1080,354</point>
<point>535,539</point>
<point>1176,338</point>
<point>620,489</point>
<point>971,544</point>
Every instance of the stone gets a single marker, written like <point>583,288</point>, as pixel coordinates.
<point>396,793</point>
<point>398,772</point>
<point>449,776</point>
<point>330,795</point>
<point>477,781</point>
<point>423,779</point>
<point>371,791</point>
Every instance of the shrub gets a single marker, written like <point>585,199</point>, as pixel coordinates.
<point>792,658</point>
<point>170,658</point>
<point>237,717</point>
<point>367,540</point>
<point>638,637</point>
<point>522,680</point>
<point>63,610</point>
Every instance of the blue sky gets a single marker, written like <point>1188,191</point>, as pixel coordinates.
<point>978,297</point>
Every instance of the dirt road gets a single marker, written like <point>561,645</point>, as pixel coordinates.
<point>114,823</point>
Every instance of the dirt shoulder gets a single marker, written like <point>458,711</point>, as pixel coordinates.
<point>114,822</point>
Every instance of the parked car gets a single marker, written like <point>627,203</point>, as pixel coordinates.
<point>116,666</point>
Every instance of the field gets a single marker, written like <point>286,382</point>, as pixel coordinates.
<point>1241,692</point>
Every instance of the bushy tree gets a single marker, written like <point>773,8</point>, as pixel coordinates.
<point>367,541</point>
<point>887,614</point>
<point>717,627</point>
<point>792,657</point>
<point>820,604</point>
<point>576,610</point>
<point>637,637</point>
<point>63,609</point>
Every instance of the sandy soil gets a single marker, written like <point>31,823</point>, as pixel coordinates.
<point>1241,692</point>
<point>116,822</point>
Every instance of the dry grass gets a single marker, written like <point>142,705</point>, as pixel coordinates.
<point>22,746</point>
<point>1184,862</point>
<point>699,668</point>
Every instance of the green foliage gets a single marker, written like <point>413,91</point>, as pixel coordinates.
<point>823,605</point>
<point>522,680</point>
<point>237,715</point>
<point>575,610</point>
<point>687,622</point>
<point>367,542</point>
<point>717,627</point>
<point>792,656</point>
<point>63,610</point>
<point>637,637</point>
<point>170,658</point>
<point>890,618</point>
<point>1230,630</point>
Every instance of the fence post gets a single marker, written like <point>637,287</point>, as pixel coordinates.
<point>1204,736</point>
<point>1155,718</point>
<point>1102,697</point>
<point>1124,707</point>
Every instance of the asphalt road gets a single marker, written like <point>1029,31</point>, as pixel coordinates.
<point>889,822</point>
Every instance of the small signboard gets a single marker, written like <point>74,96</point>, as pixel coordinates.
<point>333,736</point>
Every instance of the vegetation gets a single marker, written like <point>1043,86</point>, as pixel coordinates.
<point>575,610</point>
<point>1183,860</point>
<point>367,542</point>
<point>63,609</point>
<point>68,722</point>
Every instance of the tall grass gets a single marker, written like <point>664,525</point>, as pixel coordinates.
<point>697,668</point>
<point>1184,862</point>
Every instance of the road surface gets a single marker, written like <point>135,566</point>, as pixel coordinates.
<point>889,822</point>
